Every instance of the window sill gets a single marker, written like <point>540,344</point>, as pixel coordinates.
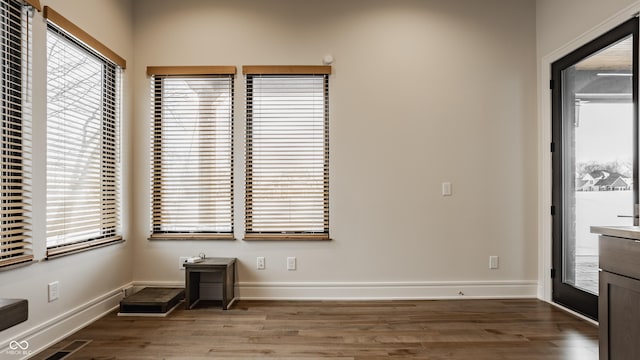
<point>54,253</point>
<point>287,237</point>
<point>189,236</point>
<point>17,265</point>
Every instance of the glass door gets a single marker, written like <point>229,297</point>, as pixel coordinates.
<point>595,146</point>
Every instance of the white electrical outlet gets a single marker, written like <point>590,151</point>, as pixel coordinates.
<point>291,263</point>
<point>183,259</point>
<point>54,291</point>
<point>493,262</point>
<point>260,263</point>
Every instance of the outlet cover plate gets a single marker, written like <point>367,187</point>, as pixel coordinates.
<point>260,263</point>
<point>54,291</point>
<point>291,263</point>
<point>493,262</point>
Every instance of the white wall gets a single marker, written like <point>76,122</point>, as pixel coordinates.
<point>422,92</point>
<point>563,26</point>
<point>88,278</point>
<point>560,22</point>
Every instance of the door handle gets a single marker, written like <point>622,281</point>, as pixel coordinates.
<point>636,212</point>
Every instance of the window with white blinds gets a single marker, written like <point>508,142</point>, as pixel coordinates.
<point>83,149</point>
<point>192,153</point>
<point>287,153</point>
<point>15,139</point>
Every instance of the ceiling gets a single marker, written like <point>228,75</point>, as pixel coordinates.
<point>617,57</point>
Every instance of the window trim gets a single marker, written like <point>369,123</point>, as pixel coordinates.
<point>286,70</point>
<point>186,71</point>
<point>191,70</point>
<point>74,30</point>
<point>310,70</point>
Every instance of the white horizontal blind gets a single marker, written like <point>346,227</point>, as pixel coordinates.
<point>287,156</point>
<point>192,156</point>
<point>15,127</point>
<point>83,161</point>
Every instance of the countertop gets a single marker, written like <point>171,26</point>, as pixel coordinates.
<point>627,232</point>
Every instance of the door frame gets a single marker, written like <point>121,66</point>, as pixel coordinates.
<point>544,155</point>
<point>567,295</point>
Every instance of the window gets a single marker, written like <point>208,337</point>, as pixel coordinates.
<point>83,149</point>
<point>192,152</point>
<point>287,153</point>
<point>15,139</point>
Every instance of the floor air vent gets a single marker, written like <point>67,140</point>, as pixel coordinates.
<point>68,350</point>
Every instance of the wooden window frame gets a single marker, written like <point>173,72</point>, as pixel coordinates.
<point>74,30</point>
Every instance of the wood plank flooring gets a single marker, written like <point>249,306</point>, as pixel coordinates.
<point>456,329</point>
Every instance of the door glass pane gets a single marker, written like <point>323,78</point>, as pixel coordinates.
<point>598,156</point>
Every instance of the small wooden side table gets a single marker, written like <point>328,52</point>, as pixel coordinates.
<point>226,266</point>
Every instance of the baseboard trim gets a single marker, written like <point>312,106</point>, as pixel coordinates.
<point>431,290</point>
<point>386,290</point>
<point>43,336</point>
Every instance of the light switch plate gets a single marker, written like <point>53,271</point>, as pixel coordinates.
<point>291,263</point>
<point>446,189</point>
<point>493,262</point>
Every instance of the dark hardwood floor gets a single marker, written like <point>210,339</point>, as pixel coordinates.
<point>456,329</point>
